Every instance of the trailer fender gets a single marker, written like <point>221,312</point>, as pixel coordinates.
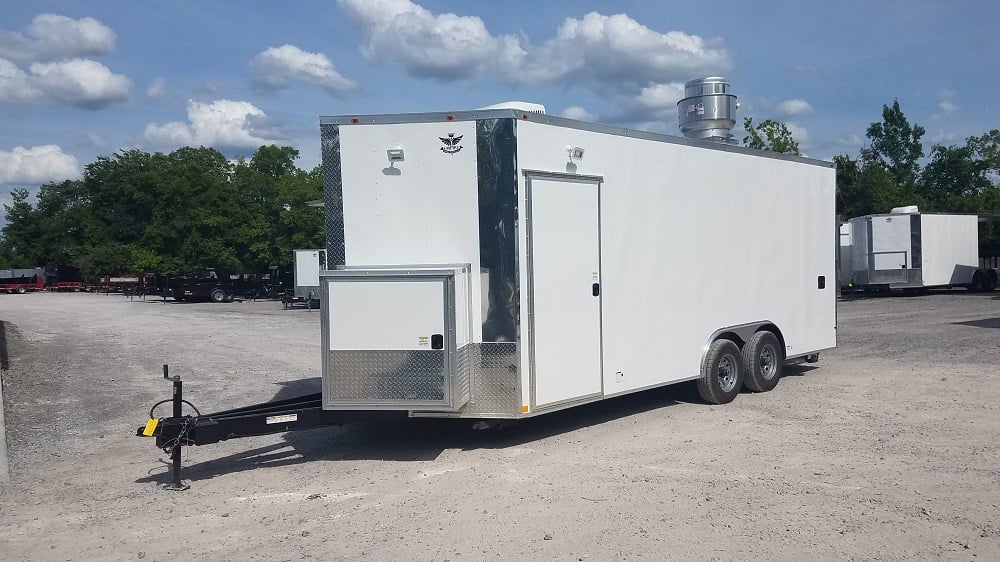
<point>740,334</point>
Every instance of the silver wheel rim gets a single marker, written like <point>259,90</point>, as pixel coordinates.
<point>766,363</point>
<point>727,373</point>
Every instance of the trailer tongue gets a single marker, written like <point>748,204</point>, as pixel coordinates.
<point>276,416</point>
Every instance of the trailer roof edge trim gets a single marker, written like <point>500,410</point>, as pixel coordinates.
<point>983,217</point>
<point>443,116</point>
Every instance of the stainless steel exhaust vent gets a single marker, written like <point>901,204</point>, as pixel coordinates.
<point>708,110</point>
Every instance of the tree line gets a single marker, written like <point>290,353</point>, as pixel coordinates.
<point>887,173</point>
<point>134,212</point>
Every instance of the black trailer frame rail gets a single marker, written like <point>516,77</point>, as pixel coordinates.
<point>276,416</point>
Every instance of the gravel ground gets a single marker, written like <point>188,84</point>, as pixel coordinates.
<point>887,449</point>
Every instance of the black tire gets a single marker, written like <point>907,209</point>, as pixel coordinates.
<point>990,281</point>
<point>722,373</point>
<point>217,295</point>
<point>21,290</point>
<point>977,281</point>
<point>764,360</point>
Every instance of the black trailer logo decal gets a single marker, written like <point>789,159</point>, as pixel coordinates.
<point>451,145</point>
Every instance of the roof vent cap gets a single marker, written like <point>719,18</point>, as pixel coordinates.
<point>524,106</point>
<point>708,110</point>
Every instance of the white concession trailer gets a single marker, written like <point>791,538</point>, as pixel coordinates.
<point>505,263</point>
<point>906,249</point>
<point>307,265</point>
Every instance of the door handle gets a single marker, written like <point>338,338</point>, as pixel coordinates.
<point>596,289</point>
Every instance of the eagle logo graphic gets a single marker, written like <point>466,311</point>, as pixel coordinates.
<point>451,143</point>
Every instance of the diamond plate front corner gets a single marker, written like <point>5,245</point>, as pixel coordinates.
<point>333,194</point>
<point>384,378</point>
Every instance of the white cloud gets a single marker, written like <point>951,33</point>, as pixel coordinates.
<point>444,47</point>
<point>220,124</point>
<point>52,37</point>
<point>793,108</point>
<point>15,86</point>
<point>157,89</point>
<point>90,140</point>
<point>946,104</point>
<point>656,96</point>
<point>805,69</point>
<point>619,49</point>
<point>38,164</point>
<point>277,67</point>
<point>211,88</point>
<point>799,133</point>
<point>46,65</point>
<point>612,55</point>
<point>578,113</point>
<point>79,82</point>
<point>852,140</point>
<point>941,137</point>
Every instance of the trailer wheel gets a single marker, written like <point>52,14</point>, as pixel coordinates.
<point>977,281</point>
<point>990,280</point>
<point>217,295</point>
<point>764,361</point>
<point>21,290</point>
<point>722,373</point>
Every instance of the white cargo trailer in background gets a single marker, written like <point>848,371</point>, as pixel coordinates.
<point>503,263</point>
<point>845,264</point>
<point>906,249</point>
<point>307,265</point>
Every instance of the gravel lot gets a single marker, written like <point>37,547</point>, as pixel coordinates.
<point>886,450</point>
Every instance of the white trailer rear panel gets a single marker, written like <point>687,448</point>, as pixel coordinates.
<point>307,266</point>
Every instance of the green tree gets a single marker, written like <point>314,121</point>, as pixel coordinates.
<point>895,145</point>
<point>864,190</point>
<point>274,194</point>
<point>275,161</point>
<point>770,135</point>
<point>196,221</point>
<point>19,247</point>
<point>954,180</point>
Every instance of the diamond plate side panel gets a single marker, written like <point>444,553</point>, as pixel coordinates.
<point>494,379</point>
<point>373,377</point>
<point>463,373</point>
<point>333,195</point>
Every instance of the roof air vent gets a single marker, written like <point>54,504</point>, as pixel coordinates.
<point>708,109</point>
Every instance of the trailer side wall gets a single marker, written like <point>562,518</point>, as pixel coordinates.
<point>950,248</point>
<point>692,240</point>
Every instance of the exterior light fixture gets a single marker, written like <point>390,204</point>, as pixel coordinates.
<point>395,154</point>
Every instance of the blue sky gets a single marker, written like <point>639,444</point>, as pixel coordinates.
<point>84,79</point>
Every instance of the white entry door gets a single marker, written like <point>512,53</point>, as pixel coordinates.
<point>565,276</point>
